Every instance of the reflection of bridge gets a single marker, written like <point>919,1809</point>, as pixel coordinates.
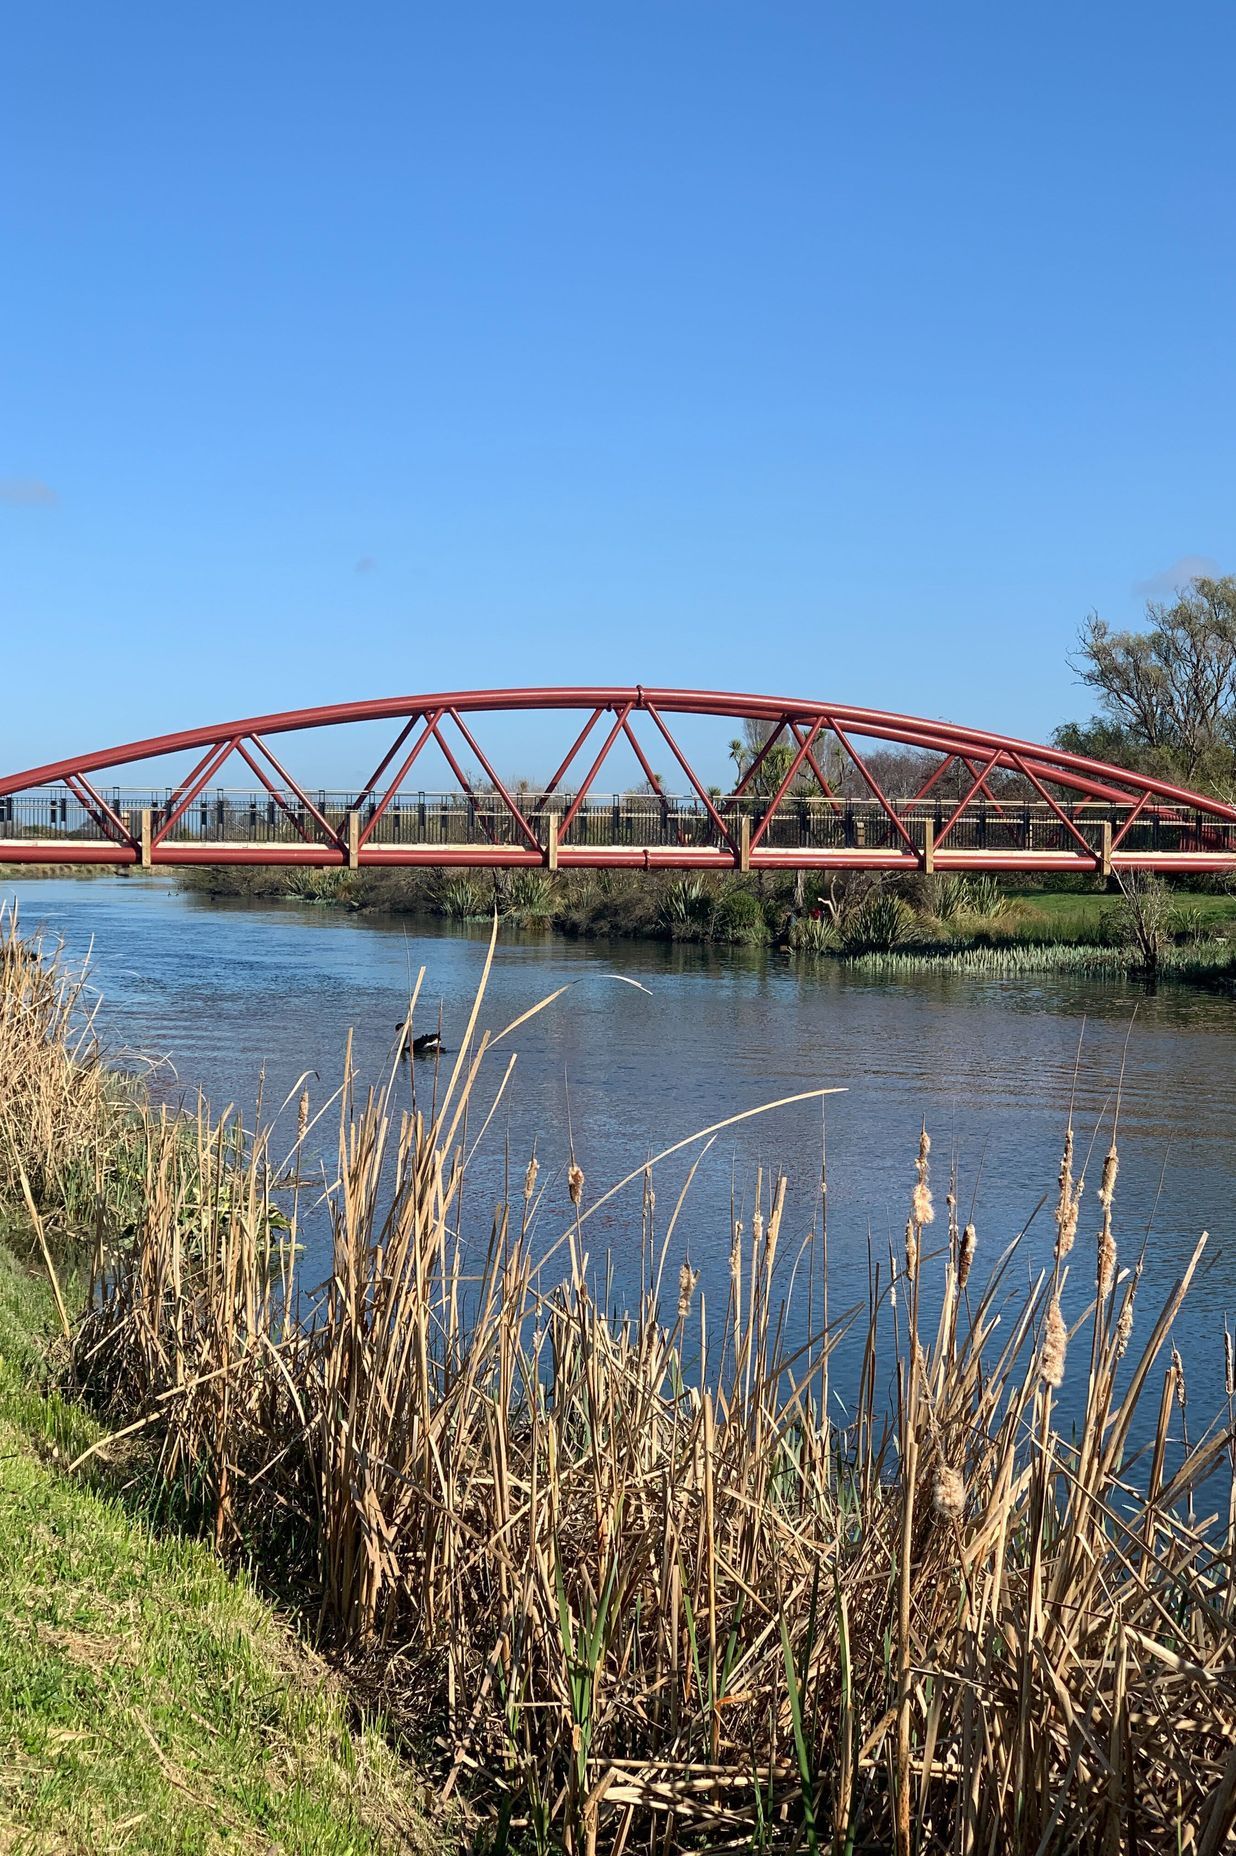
<point>817,788</point>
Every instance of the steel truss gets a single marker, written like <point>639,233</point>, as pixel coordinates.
<point>1097,817</point>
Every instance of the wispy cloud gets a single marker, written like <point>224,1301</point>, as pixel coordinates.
<point>366,564</point>
<point>1188,567</point>
<point>27,493</point>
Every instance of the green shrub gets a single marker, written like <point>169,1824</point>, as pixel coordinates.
<point>945,898</point>
<point>879,924</point>
<point>986,898</point>
<point>739,917</point>
<point>813,934</point>
<point>687,907</point>
<point>463,900</point>
<point>531,895</point>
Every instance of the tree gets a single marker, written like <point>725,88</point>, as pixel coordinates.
<point>1167,695</point>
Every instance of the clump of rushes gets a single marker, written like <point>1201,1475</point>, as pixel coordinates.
<point>628,1581</point>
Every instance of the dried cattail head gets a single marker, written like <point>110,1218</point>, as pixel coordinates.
<point>757,1224</point>
<point>575,1182</point>
<point>1105,1271</point>
<point>1229,1364</point>
<point>1055,1346</point>
<point>650,1197</point>
<point>948,1493</point>
<point>1069,1202</point>
<point>302,1117</point>
<point>1182,1390</point>
<point>969,1238</point>
<point>530,1178</point>
<point>1107,1185</point>
<point>911,1249</point>
<point>687,1279</point>
<point>922,1211</point>
<point>1124,1327</point>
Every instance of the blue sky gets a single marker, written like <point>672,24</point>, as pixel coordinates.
<point>847,351</point>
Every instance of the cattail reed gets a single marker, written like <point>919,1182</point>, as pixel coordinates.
<point>969,1242</point>
<point>948,1493</point>
<point>620,1607</point>
<point>1068,1205</point>
<point>1105,1262</point>
<point>1055,1346</point>
<point>922,1211</point>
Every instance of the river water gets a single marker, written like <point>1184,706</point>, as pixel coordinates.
<point>218,994</point>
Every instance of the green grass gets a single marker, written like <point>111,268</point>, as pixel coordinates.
<point>148,1700</point>
<point>1077,915</point>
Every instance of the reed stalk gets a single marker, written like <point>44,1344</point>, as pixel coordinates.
<point>621,1575</point>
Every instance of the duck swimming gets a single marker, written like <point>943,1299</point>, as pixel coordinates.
<point>427,1044</point>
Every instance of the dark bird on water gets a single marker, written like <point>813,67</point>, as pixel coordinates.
<point>428,1044</point>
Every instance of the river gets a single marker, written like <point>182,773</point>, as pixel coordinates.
<point>216,994</point>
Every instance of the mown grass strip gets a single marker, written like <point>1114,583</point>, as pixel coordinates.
<point>148,1700</point>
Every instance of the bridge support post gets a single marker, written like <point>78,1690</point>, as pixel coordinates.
<point>353,846</point>
<point>146,844</point>
<point>744,842</point>
<point>929,847</point>
<point>1105,848</point>
<point>551,847</point>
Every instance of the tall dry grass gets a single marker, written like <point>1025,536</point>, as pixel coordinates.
<point>623,1577</point>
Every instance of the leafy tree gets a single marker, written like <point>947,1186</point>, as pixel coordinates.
<point>1166,695</point>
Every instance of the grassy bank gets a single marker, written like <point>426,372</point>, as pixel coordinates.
<point>973,924</point>
<point>150,1700</point>
<point>655,1583</point>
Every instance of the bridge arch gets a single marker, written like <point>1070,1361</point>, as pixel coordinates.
<point>814,793</point>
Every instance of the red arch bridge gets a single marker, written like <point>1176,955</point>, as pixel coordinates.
<point>808,784</point>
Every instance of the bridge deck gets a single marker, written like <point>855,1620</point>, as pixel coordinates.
<point>616,833</point>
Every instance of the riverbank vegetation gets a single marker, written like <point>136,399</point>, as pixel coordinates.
<point>1140,925</point>
<point>652,1579</point>
<point>150,1699</point>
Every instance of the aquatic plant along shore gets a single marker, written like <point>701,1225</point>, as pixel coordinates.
<point>654,1579</point>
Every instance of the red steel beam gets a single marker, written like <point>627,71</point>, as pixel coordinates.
<point>94,803</point>
<point>687,768</point>
<point>1060,812</point>
<point>387,758</point>
<point>275,793</point>
<point>576,745</point>
<point>873,784</point>
<point>489,773</point>
<point>189,789</point>
<point>878,724</point>
<point>814,765</point>
<point>568,817</point>
<point>431,722</point>
<point>649,775</point>
<point>804,748</point>
<point>765,750</point>
<point>979,783</point>
<point>200,854</point>
<point>462,777</point>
